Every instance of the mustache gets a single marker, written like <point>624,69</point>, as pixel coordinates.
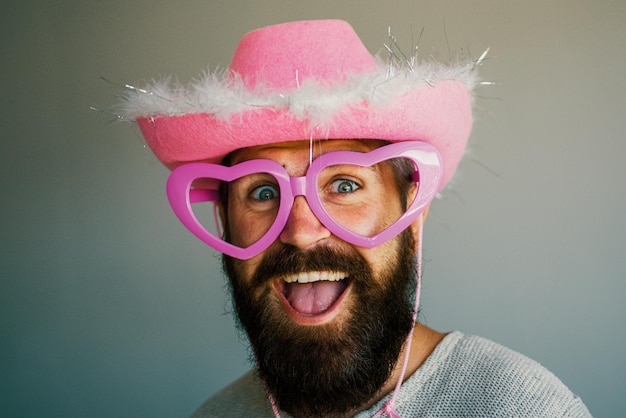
<point>291,260</point>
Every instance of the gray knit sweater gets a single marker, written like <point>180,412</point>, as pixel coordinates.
<point>465,376</point>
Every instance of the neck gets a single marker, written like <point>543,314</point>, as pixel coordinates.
<point>424,340</point>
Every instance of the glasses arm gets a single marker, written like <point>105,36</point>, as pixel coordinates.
<point>203,195</point>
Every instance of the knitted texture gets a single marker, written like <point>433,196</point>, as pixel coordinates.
<point>465,376</point>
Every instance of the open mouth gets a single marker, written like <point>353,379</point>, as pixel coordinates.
<point>314,293</point>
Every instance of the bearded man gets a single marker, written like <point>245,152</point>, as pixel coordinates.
<point>321,163</point>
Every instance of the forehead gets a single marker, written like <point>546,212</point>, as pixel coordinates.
<point>295,153</point>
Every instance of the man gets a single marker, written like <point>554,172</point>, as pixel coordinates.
<point>322,163</point>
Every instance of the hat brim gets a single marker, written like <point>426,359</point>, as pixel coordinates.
<point>438,114</point>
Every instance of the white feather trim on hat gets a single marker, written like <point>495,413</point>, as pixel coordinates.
<point>224,95</point>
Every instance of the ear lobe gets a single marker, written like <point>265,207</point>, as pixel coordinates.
<point>221,214</point>
<point>417,225</point>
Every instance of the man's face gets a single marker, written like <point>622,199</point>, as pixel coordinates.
<point>326,319</point>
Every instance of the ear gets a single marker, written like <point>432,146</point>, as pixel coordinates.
<point>221,212</point>
<point>417,224</point>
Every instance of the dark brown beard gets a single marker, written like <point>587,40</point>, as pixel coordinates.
<point>334,368</point>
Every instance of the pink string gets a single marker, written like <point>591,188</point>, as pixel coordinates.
<point>389,406</point>
<point>267,391</point>
<point>271,399</point>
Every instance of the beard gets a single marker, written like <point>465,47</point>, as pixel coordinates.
<point>337,367</point>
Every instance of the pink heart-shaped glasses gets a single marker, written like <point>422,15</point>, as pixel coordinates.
<point>424,157</point>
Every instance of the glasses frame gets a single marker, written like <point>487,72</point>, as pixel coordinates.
<point>181,196</point>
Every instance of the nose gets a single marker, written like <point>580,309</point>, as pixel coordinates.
<point>303,229</point>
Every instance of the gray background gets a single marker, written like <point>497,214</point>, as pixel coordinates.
<point>108,307</point>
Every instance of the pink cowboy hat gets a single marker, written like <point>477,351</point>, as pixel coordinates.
<point>307,80</point>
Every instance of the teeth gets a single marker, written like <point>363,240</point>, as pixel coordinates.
<point>315,276</point>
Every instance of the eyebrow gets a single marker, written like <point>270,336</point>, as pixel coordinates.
<point>372,168</point>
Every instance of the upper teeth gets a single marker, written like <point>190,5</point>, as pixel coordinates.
<point>314,276</point>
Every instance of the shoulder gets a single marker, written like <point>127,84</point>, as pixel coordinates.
<point>245,397</point>
<point>503,380</point>
<point>467,374</point>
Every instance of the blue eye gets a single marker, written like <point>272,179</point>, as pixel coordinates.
<point>265,192</point>
<point>344,186</point>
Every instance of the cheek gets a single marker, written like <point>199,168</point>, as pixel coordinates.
<point>381,259</point>
<point>245,228</point>
<point>244,269</point>
<point>369,218</point>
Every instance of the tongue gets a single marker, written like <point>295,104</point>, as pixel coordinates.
<point>313,298</point>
